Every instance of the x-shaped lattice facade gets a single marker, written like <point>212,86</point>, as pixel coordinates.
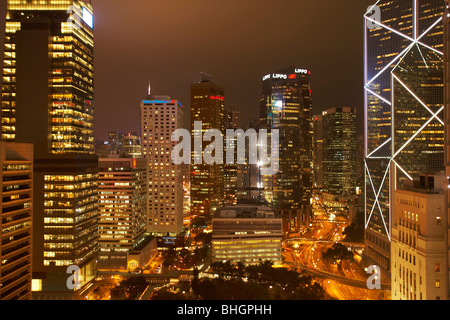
<point>390,67</point>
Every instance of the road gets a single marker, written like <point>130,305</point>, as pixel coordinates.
<point>345,283</point>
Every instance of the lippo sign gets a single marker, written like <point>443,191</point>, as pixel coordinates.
<point>258,153</point>
<point>284,76</point>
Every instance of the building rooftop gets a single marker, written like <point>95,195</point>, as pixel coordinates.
<point>246,212</point>
<point>427,184</point>
<point>141,244</point>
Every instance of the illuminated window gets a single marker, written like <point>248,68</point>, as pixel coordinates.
<point>36,285</point>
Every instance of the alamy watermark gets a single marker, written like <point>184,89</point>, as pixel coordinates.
<point>374,281</point>
<point>373,17</point>
<point>73,281</point>
<point>258,152</point>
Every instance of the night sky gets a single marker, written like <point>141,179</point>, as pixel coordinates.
<point>236,41</point>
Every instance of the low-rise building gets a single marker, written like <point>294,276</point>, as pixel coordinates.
<point>142,253</point>
<point>247,233</point>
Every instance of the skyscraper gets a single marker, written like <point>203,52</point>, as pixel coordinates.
<point>207,181</point>
<point>360,167</point>
<point>417,115</point>
<point>232,172</point>
<point>318,151</point>
<point>339,151</point>
<point>233,118</point>
<point>407,30</point>
<point>250,180</point>
<point>49,59</point>
<point>286,105</point>
<point>114,145</point>
<point>47,100</point>
<point>446,216</point>
<point>131,146</point>
<point>160,117</point>
<point>16,215</point>
<point>127,145</point>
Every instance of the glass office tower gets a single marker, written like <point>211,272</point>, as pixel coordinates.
<point>232,173</point>
<point>339,151</point>
<point>66,28</point>
<point>286,105</point>
<point>48,100</point>
<point>406,28</point>
<point>417,116</point>
<point>318,151</point>
<point>446,216</point>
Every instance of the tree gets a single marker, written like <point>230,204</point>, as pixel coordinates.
<point>309,291</point>
<point>134,286</point>
<point>264,283</point>
<point>207,289</point>
<point>199,222</point>
<point>170,258</point>
<point>240,269</point>
<point>338,252</point>
<point>205,238</point>
<point>200,254</point>
<point>355,231</point>
<point>165,294</point>
<point>195,282</point>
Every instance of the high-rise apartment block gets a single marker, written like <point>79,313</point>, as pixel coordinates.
<point>160,117</point>
<point>16,217</point>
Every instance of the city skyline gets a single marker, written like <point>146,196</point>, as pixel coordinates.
<point>124,194</point>
<point>127,68</point>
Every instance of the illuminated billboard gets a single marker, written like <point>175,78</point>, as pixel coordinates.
<point>290,76</point>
